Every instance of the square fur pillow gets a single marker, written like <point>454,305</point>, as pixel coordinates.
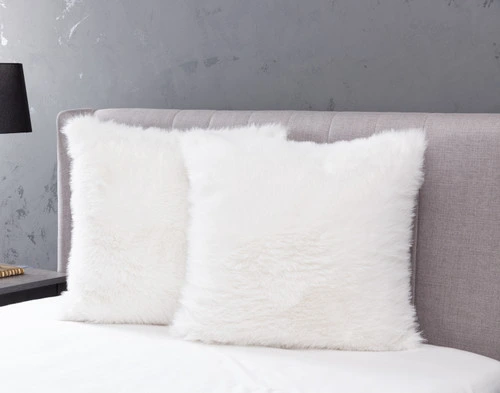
<point>301,245</point>
<point>129,208</point>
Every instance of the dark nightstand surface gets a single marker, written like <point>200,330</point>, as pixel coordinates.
<point>31,279</point>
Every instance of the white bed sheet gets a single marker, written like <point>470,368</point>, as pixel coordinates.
<point>38,353</point>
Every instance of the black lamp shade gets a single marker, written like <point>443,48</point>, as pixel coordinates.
<point>14,109</point>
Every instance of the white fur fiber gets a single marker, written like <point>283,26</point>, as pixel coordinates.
<point>129,209</point>
<point>300,245</point>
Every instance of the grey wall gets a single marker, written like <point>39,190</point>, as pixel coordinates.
<point>385,55</point>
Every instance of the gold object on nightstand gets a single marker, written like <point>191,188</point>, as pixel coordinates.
<point>8,270</point>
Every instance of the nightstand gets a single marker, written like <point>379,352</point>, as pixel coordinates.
<point>33,284</point>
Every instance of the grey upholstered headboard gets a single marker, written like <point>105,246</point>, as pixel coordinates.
<point>456,255</point>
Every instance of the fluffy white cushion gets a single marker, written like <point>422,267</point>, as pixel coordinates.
<point>295,244</point>
<point>129,209</point>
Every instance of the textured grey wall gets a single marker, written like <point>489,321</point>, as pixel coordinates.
<point>381,55</point>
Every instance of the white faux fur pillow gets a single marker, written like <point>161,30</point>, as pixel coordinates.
<point>129,209</point>
<point>296,244</point>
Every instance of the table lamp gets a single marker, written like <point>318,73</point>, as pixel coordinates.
<point>14,109</point>
<point>14,116</point>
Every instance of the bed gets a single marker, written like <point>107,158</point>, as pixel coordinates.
<point>42,354</point>
<point>455,275</point>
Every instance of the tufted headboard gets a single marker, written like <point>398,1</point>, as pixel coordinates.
<point>456,252</point>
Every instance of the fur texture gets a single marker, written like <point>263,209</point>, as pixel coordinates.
<point>294,244</point>
<point>129,208</point>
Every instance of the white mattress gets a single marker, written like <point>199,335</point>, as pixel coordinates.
<point>40,354</point>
